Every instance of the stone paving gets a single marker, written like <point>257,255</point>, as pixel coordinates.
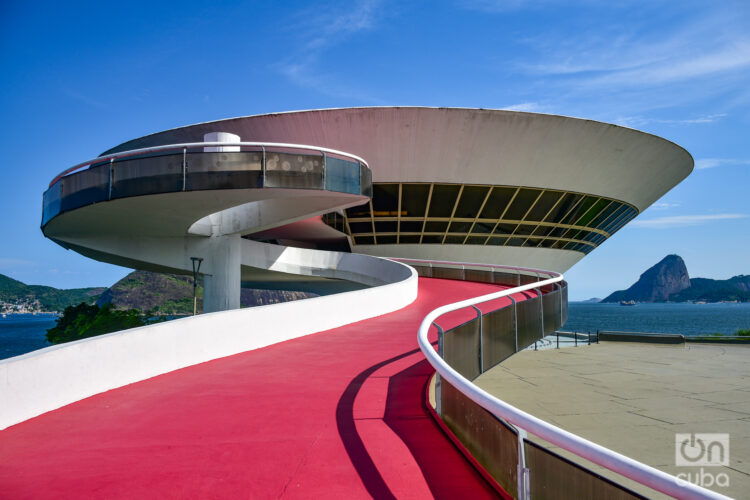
<point>633,398</point>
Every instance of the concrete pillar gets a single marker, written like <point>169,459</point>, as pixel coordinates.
<point>220,137</point>
<point>221,284</point>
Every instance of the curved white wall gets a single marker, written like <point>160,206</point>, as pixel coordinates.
<point>53,377</point>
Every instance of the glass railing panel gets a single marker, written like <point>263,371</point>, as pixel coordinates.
<point>506,278</point>
<point>84,188</point>
<point>224,170</point>
<point>450,273</point>
<point>551,303</point>
<point>51,202</point>
<point>478,275</point>
<point>461,349</point>
<point>552,476</point>
<point>529,322</point>
<point>288,170</point>
<point>498,337</point>
<point>342,175</point>
<point>491,442</point>
<point>365,180</point>
<point>141,176</point>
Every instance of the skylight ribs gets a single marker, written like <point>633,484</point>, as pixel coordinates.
<point>472,214</point>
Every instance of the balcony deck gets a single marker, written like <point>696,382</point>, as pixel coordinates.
<point>634,397</point>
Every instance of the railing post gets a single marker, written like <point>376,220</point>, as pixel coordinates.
<point>557,335</point>
<point>430,269</point>
<point>523,471</point>
<point>111,176</point>
<point>541,310</point>
<point>575,335</point>
<point>515,321</point>
<point>597,335</point>
<point>481,340</point>
<point>438,378</point>
<point>589,332</point>
<point>463,273</point>
<point>263,166</point>
<point>562,314</point>
<point>324,169</point>
<point>184,168</point>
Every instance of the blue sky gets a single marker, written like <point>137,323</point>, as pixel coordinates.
<point>78,78</point>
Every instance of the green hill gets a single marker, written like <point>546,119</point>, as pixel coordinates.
<point>44,298</point>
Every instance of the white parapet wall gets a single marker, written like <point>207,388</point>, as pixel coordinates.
<point>47,379</point>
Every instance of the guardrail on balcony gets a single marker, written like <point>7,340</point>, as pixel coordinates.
<point>199,166</point>
<point>493,431</point>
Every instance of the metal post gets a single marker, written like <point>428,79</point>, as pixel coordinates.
<point>515,321</point>
<point>523,471</point>
<point>324,169</point>
<point>481,340</point>
<point>111,177</point>
<point>463,272</point>
<point>184,173</point>
<point>562,314</point>
<point>541,310</point>
<point>597,335</point>
<point>589,332</point>
<point>535,342</point>
<point>575,334</point>
<point>196,270</point>
<point>438,378</point>
<point>557,335</point>
<point>263,165</point>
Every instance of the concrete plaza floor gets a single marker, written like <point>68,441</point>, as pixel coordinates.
<point>634,397</point>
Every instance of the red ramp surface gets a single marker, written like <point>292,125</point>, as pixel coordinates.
<point>335,414</point>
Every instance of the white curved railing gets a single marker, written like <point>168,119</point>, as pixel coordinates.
<point>187,145</point>
<point>616,462</point>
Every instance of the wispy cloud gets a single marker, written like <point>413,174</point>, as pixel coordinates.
<point>705,163</point>
<point>683,220</point>
<point>664,205</point>
<point>532,107</point>
<point>13,264</point>
<point>331,28</point>
<point>640,121</point>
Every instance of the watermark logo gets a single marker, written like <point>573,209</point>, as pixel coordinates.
<point>701,450</point>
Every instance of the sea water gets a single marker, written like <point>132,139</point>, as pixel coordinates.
<point>685,318</point>
<point>22,333</point>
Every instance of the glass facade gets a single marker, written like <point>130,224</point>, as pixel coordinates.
<point>193,169</point>
<point>462,214</point>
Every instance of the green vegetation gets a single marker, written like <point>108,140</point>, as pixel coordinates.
<point>743,333</point>
<point>49,298</point>
<point>88,320</point>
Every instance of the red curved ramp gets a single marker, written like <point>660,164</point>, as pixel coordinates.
<point>335,414</point>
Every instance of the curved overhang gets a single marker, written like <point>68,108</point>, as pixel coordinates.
<point>472,146</point>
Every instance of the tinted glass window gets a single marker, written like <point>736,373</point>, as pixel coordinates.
<point>497,202</point>
<point>414,199</point>
<point>443,200</point>
<point>471,201</point>
<point>385,200</point>
<point>521,204</point>
<point>543,205</point>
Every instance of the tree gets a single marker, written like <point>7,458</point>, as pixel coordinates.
<point>88,320</point>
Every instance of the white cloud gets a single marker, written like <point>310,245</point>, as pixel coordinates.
<point>639,121</point>
<point>331,28</point>
<point>532,107</point>
<point>13,264</point>
<point>705,163</point>
<point>664,205</point>
<point>683,220</point>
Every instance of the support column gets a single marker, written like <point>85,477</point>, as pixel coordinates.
<point>221,288</point>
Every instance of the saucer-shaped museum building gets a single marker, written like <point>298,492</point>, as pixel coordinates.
<point>468,185</point>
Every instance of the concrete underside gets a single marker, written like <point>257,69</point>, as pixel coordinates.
<point>338,414</point>
<point>633,398</point>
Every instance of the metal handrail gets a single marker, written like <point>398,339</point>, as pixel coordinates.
<point>616,462</point>
<point>168,147</point>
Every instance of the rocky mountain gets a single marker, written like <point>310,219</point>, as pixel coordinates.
<point>39,298</point>
<point>669,281</point>
<point>668,277</point>
<point>173,294</point>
